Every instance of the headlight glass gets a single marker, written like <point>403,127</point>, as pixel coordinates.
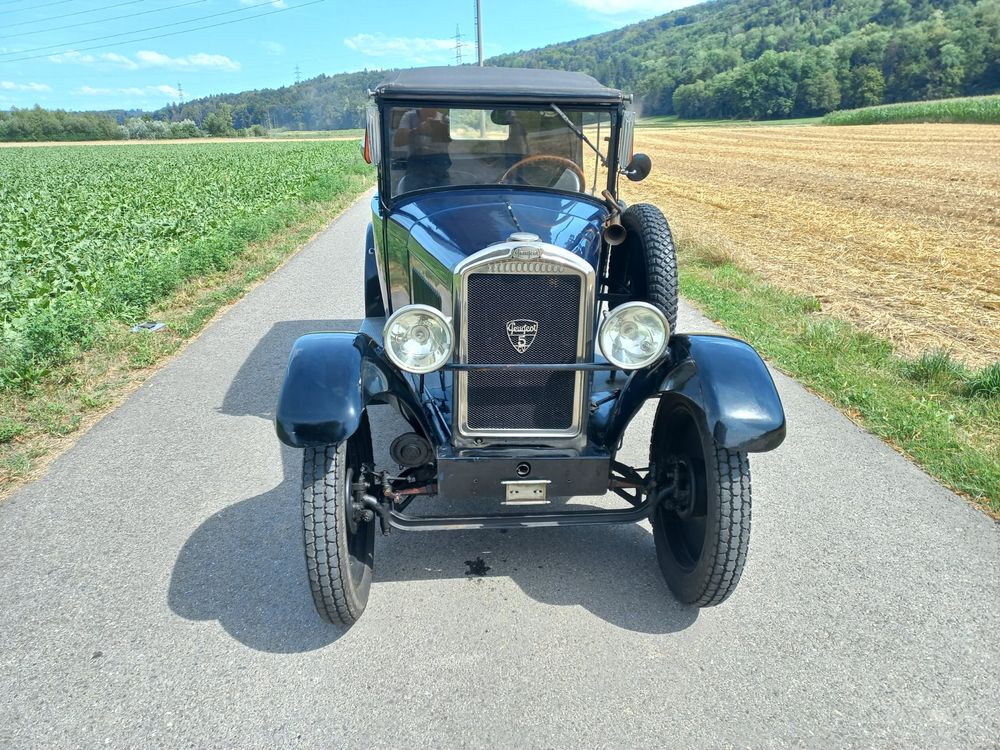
<point>418,338</point>
<point>634,335</point>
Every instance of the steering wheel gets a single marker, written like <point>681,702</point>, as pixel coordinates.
<point>572,166</point>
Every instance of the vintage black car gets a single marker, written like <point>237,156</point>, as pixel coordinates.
<point>519,315</point>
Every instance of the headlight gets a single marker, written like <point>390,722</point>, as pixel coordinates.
<point>418,338</point>
<point>634,335</point>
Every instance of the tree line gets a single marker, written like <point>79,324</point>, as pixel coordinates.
<point>334,102</point>
<point>37,124</point>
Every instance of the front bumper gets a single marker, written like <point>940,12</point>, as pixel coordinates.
<point>480,474</point>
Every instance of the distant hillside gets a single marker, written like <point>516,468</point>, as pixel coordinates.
<point>322,103</point>
<point>759,59</point>
<point>789,58</point>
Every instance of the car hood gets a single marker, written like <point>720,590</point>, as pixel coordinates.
<point>455,224</point>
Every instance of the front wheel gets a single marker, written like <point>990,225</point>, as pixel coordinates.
<point>702,527</point>
<point>339,538</point>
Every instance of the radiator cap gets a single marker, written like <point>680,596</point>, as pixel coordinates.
<point>523,237</point>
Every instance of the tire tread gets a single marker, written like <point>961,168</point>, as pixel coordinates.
<point>659,256</point>
<point>325,559</point>
<point>733,541</point>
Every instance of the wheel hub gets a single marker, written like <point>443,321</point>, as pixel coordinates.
<point>354,493</point>
<point>684,490</point>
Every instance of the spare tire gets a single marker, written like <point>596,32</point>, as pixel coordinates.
<point>644,267</point>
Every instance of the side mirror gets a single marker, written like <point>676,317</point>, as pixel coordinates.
<point>501,117</point>
<point>639,168</point>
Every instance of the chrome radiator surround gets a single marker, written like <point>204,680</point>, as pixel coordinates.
<point>529,258</point>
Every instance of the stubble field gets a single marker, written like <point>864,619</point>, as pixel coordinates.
<point>895,228</point>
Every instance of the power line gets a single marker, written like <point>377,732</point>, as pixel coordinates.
<point>99,20</point>
<point>161,36</point>
<point>139,31</point>
<point>43,5</point>
<point>76,13</point>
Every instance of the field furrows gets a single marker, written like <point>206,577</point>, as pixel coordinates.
<point>896,228</point>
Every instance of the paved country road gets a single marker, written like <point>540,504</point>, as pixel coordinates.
<point>152,591</point>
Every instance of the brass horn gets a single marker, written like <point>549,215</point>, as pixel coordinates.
<point>613,233</point>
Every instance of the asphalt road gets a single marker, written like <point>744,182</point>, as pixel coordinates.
<point>152,590</point>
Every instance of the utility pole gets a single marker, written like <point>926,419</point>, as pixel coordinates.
<point>298,73</point>
<point>180,93</point>
<point>479,55</point>
<point>458,45</point>
<point>479,31</point>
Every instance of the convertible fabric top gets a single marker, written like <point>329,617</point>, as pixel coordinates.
<point>469,82</point>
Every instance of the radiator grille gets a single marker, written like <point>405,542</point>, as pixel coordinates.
<point>522,400</point>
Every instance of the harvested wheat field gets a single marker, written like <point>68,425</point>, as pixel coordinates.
<point>893,227</point>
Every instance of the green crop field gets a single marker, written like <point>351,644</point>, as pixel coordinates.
<point>973,109</point>
<point>92,236</point>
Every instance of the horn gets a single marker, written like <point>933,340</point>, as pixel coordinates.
<point>614,233</point>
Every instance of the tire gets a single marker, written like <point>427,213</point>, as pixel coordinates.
<point>339,549</point>
<point>701,544</point>
<point>644,267</point>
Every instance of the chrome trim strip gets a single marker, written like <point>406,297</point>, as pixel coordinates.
<point>530,259</point>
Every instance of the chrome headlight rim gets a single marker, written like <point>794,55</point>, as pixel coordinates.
<point>623,309</point>
<point>431,312</point>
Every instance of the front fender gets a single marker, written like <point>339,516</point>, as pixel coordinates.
<point>330,380</point>
<point>723,378</point>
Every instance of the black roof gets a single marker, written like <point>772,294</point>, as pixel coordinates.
<point>469,82</point>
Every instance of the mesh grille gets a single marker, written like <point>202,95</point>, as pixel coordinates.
<point>522,400</point>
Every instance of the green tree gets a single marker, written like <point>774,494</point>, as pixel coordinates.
<point>220,122</point>
<point>867,87</point>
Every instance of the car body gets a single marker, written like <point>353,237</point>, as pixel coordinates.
<point>518,318</point>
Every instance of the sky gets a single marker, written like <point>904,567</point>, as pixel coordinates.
<point>143,54</point>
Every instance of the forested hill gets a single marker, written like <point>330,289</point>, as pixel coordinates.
<point>789,58</point>
<point>322,103</point>
<point>756,59</point>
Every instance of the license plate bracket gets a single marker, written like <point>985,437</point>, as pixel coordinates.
<point>526,491</point>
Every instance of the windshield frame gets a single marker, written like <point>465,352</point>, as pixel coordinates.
<point>387,104</point>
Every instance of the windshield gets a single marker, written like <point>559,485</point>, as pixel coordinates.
<point>545,147</point>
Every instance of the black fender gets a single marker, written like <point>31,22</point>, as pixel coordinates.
<point>722,378</point>
<point>331,379</point>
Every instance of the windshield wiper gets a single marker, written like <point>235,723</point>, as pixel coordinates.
<point>580,134</point>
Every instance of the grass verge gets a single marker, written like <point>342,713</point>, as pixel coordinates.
<point>37,424</point>
<point>974,109</point>
<point>932,409</point>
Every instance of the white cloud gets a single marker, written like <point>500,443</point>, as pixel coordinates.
<point>143,91</point>
<point>151,59</point>
<point>31,86</point>
<point>273,48</point>
<point>105,58</point>
<point>419,50</point>
<point>198,61</point>
<point>620,7</point>
<point>100,90</point>
<point>116,59</point>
